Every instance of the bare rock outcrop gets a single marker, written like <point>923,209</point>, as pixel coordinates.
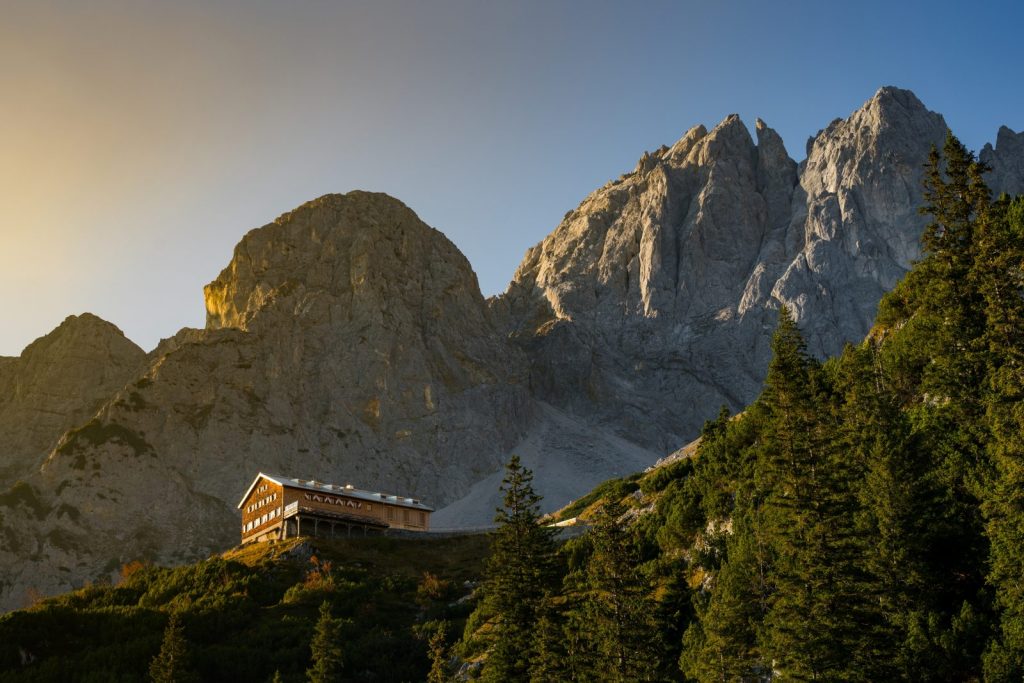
<point>856,226</point>
<point>59,381</point>
<point>1006,160</point>
<point>652,304</point>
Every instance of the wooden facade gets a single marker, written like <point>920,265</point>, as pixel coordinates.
<point>277,507</point>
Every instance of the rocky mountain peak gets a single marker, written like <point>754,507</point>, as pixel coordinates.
<point>891,110</point>
<point>1006,160</point>
<point>730,139</point>
<point>762,128</point>
<point>894,120</point>
<point>1009,141</point>
<point>59,380</point>
<point>362,250</point>
<point>656,275</point>
<point>81,339</point>
<point>347,340</point>
<point>776,175</point>
<point>889,97</point>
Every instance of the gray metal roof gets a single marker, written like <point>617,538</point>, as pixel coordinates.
<point>346,490</point>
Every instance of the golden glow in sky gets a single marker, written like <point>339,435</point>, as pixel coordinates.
<point>140,140</point>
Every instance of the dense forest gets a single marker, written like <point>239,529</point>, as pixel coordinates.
<point>863,520</point>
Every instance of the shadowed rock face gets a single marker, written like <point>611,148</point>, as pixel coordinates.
<point>1007,162</point>
<point>349,341</point>
<point>653,303</point>
<point>59,381</point>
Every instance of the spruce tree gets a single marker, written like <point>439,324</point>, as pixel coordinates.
<point>723,645</point>
<point>1000,274</point>
<point>899,510</point>
<point>947,326</point>
<point>948,298</point>
<point>811,629</point>
<point>171,664</point>
<point>520,571</point>
<point>326,649</point>
<point>438,655</point>
<point>581,655</point>
<point>548,659</point>
<point>618,607</point>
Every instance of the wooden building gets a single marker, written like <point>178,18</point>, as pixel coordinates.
<point>278,507</point>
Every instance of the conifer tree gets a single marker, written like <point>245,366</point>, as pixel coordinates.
<point>520,571</point>
<point>548,661</point>
<point>723,645</point>
<point>171,664</point>
<point>956,200</point>
<point>618,608</point>
<point>581,655</point>
<point>899,509</point>
<point>811,625</point>
<point>438,655</point>
<point>326,649</point>
<point>1000,273</point>
<point>948,327</point>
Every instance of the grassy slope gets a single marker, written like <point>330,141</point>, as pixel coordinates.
<point>636,491</point>
<point>252,611</point>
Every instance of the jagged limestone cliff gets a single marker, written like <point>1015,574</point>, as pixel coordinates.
<point>1006,160</point>
<point>652,303</point>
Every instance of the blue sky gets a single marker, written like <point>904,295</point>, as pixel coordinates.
<point>141,140</point>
